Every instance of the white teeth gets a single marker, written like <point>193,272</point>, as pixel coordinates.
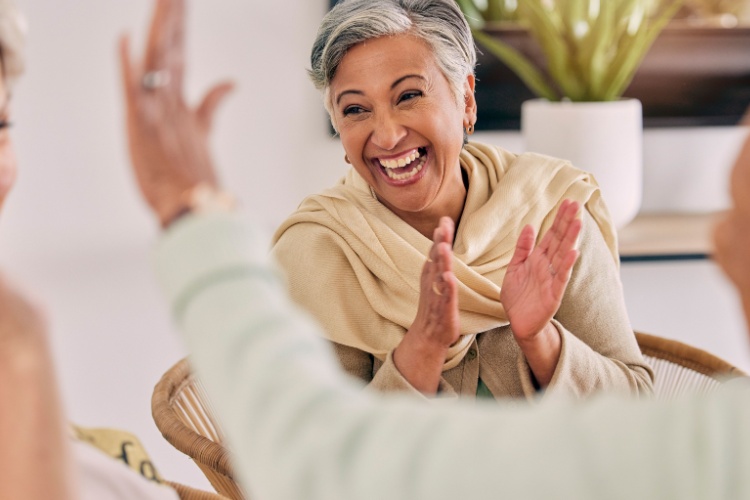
<point>401,162</point>
<point>406,175</point>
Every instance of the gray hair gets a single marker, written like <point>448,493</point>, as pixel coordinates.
<point>440,23</point>
<point>12,41</point>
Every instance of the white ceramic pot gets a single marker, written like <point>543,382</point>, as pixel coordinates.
<point>603,138</point>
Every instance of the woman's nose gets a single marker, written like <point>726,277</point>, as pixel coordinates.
<point>388,132</point>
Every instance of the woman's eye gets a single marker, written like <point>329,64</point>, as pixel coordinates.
<point>5,124</point>
<point>407,96</point>
<point>353,110</point>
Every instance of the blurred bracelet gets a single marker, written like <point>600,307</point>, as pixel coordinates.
<point>202,198</point>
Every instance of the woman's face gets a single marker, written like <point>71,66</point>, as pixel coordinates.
<point>400,124</point>
<point>7,154</point>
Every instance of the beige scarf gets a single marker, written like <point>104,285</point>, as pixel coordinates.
<point>386,255</point>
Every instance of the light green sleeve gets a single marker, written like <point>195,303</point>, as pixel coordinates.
<point>301,429</point>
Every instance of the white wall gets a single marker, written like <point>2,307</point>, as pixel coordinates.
<point>76,233</point>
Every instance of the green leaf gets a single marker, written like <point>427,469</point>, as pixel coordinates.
<point>519,64</point>
<point>495,11</point>
<point>637,49</point>
<point>592,48</point>
<point>473,15</point>
<point>546,27</point>
<point>599,54</point>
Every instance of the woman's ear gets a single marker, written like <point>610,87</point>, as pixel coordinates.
<point>470,102</point>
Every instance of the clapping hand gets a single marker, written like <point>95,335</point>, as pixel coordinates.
<point>438,300</point>
<point>536,278</point>
<point>421,354</point>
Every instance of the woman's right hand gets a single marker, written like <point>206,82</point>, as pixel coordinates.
<point>421,354</point>
<point>168,139</point>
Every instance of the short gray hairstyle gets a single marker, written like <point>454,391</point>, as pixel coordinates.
<point>440,23</point>
<point>12,41</point>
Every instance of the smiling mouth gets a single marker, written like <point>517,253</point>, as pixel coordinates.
<point>406,167</point>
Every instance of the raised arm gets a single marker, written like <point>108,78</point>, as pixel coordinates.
<point>600,351</point>
<point>168,139</point>
<point>420,356</point>
<point>533,289</point>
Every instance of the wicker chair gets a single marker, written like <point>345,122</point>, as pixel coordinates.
<point>188,493</point>
<point>680,368</point>
<point>184,417</point>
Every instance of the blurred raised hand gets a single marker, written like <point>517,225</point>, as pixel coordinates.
<point>732,232</point>
<point>168,139</point>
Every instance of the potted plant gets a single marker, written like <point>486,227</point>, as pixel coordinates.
<point>591,50</point>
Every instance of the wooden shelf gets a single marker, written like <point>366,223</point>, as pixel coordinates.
<point>667,237</point>
<point>692,76</point>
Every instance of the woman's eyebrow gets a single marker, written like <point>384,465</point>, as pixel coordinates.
<point>406,77</point>
<point>393,85</point>
<point>357,92</point>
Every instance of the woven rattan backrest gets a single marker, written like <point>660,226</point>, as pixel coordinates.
<point>680,368</point>
<point>188,493</point>
<point>185,418</point>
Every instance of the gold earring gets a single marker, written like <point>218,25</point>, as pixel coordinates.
<point>346,159</point>
<point>470,129</point>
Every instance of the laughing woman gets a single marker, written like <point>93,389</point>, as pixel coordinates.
<point>374,257</point>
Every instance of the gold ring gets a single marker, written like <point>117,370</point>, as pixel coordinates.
<point>436,289</point>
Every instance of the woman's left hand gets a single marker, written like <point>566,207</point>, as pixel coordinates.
<point>168,139</point>
<point>537,277</point>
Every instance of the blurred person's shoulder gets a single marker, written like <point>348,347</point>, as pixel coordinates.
<point>113,465</point>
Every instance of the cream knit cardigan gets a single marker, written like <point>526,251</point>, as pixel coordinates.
<point>369,247</point>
